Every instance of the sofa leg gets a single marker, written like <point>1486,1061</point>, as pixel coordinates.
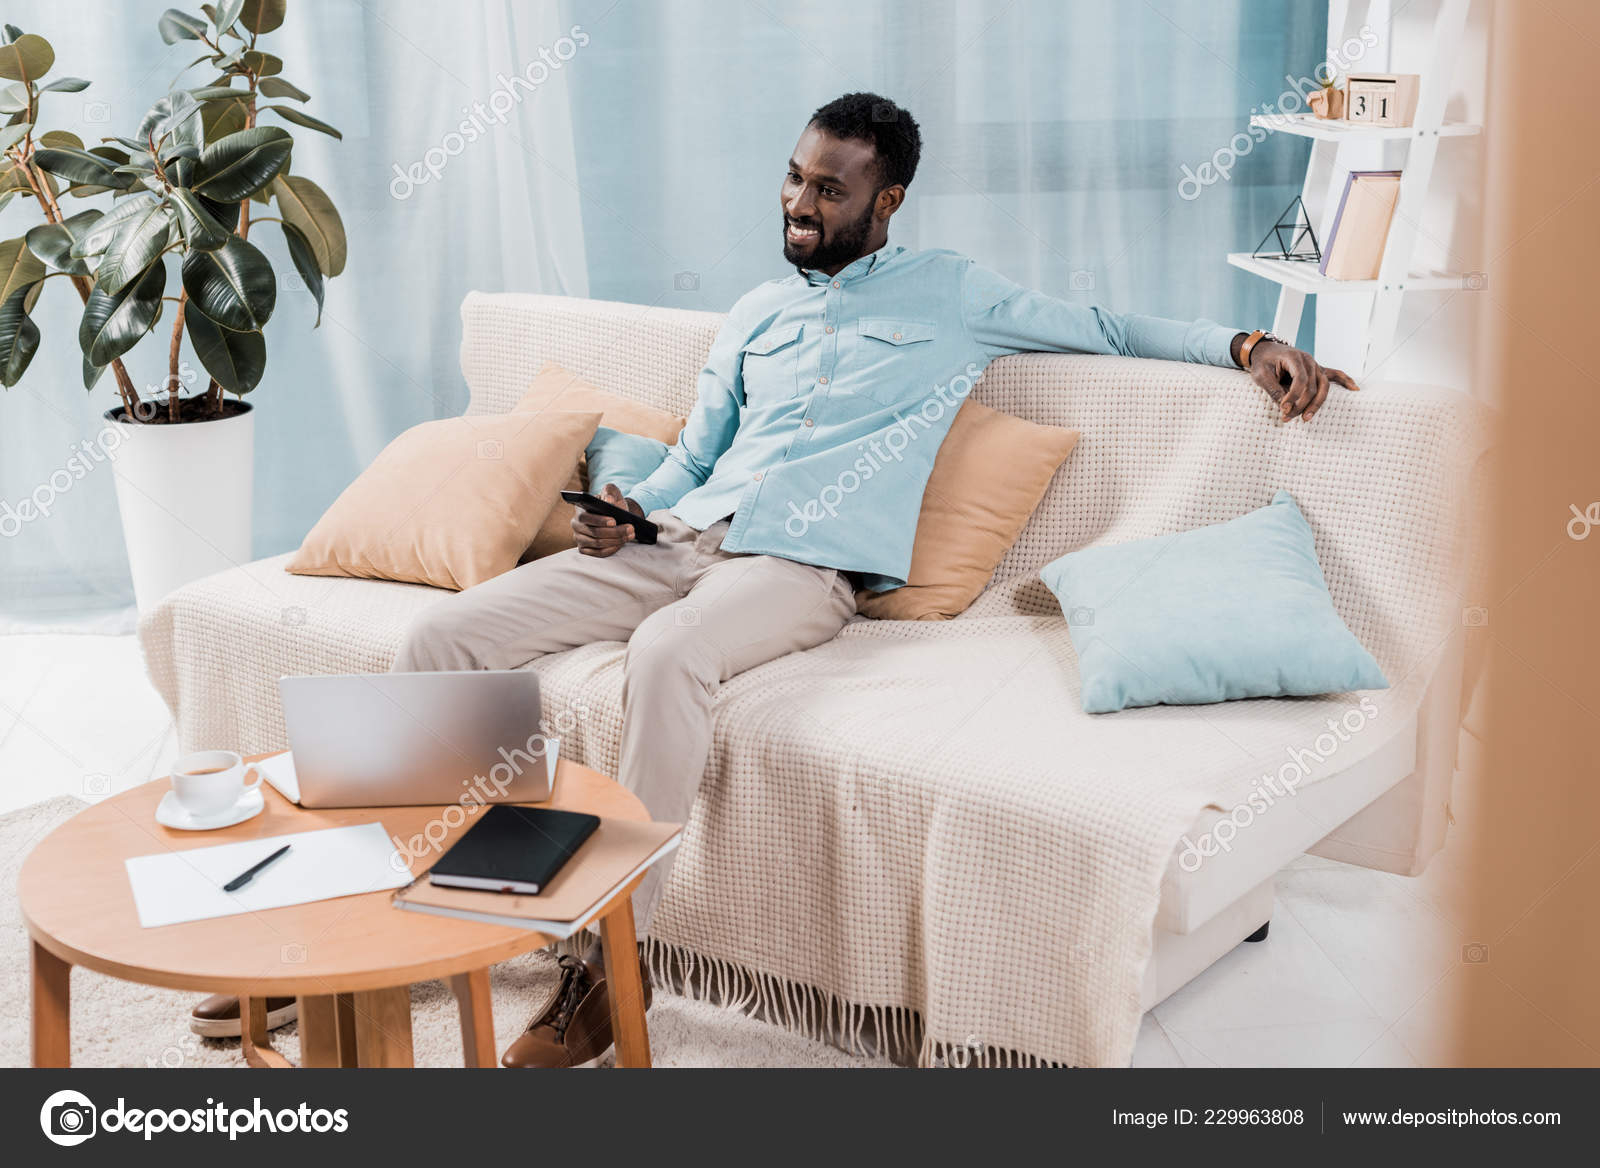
<point>1260,934</point>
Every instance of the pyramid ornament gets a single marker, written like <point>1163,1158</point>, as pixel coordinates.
<point>1295,239</point>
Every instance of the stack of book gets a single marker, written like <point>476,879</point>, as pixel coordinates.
<point>538,868</point>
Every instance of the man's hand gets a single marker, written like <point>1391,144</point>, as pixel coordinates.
<point>600,535</point>
<point>1293,379</point>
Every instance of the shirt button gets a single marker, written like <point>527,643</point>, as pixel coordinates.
<point>758,476</point>
<point>836,283</point>
<point>810,422</point>
<point>897,336</point>
<point>829,329</point>
<point>822,381</point>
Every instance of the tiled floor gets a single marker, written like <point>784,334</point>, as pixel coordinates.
<point>1350,975</point>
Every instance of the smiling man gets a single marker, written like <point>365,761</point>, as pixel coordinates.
<point>811,373</point>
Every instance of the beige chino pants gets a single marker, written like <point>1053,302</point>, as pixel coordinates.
<point>693,616</point>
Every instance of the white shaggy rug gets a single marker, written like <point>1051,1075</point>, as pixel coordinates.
<point>120,1024</point>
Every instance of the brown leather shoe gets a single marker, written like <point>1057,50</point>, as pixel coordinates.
<point>573,1028</point>
<point>218,1015</point>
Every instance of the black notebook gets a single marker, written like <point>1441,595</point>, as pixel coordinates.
<point>513,849</point>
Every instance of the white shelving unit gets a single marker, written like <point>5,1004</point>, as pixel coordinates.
<point>1324,184</point>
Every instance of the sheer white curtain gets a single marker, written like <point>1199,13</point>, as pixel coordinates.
<point>500,211</point>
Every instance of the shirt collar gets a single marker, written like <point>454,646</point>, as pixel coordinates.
<point>854,270</point>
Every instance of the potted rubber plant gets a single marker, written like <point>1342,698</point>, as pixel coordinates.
<point>169,257</point>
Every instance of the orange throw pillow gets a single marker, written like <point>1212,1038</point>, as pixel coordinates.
<point>989,475</point>
<point>555,388</point>
<point>450,503</point>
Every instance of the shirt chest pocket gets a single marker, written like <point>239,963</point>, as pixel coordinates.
<point>894,359</point>
<point>770,365</point>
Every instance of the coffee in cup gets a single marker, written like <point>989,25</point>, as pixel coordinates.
<point>211,781</point>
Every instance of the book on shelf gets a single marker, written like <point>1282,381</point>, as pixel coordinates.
<point>1361,225</point>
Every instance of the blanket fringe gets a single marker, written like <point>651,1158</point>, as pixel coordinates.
<point>893,1032</point>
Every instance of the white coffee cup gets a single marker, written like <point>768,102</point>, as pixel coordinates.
<point>210,781</point>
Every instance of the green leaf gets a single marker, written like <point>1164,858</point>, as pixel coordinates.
<point>226,13</point>
<point>19,339</point>
<point>202,231</point>
<point>13,99</point>
<point>80,166</point>
<point>216,92</point>
<point>300,118</point>
<point>136,244</point>
<point>303,204</point>
<point>305,262</point>
<point>91,373</point>
<point>56,139</point>
<point>226,214</point>
<point>19,268</point>
<point>278,87</point>
<point>234,285</point>
<point>236,360</point>
<point>27,58</point>
<point>261,64</point>
<point>11,135</point>
<point>53,242</point>
<point>175,117</point>
<point>12,33</point>
<point>113,322</point>
<point>178,26</point>
<point>223,118</point>
<point>242,163</point>
<point>99,237</point>
<point>262,15</point>
<point>65,85</point>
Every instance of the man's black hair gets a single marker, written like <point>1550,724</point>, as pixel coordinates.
<point>870,118</point>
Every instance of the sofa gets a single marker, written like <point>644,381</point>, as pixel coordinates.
<point>912,838</point>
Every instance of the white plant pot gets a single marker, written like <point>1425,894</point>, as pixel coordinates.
<point>184,492</point>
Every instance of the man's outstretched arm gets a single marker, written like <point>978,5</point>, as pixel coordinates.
<point>1005,317</point>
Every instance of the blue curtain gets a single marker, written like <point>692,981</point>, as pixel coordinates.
<point>646,169</point>
<point>1054,136</point>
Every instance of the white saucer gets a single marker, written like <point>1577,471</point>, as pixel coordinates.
<point>171,813</point>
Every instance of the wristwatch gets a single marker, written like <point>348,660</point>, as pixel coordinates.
<point>1252,341</point>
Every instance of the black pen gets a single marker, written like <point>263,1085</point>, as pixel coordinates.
<point>249,874</point>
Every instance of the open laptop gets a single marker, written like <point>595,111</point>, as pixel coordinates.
<point>394,739</point>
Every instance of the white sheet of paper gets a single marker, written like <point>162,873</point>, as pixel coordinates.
<point>172,887</point>
<point>279,772</point>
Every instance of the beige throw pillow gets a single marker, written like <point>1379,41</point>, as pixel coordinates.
<point>555,388</point>
<point>989,475</point>
<point>450,503</point>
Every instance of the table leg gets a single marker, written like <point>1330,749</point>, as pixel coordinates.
<point>52,1009</point>
<point>383,1027</point>
<point>624,985</point>
<point>319,1030</point>
<point>345,1016</point>
<point>477,1018</point>
<point>255,1039</point>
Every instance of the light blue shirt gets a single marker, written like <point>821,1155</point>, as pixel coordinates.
<point>825,399</point>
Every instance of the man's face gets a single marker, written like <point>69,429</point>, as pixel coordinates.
<point>829,197</point>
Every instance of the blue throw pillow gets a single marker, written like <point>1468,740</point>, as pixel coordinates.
<point>623,459</point>
<point>1235,610</point>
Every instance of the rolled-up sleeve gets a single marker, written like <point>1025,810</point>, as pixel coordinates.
<point>1003,317</point>
<point>710,428</point>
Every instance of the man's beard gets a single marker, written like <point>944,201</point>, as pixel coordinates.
<point>844,245</point>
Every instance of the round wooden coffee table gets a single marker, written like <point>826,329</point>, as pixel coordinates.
<point>350,961</point>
